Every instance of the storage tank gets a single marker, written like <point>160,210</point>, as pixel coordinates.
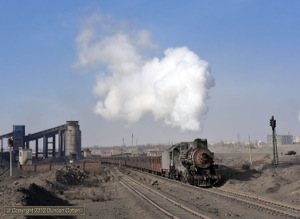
<point>73,139</point>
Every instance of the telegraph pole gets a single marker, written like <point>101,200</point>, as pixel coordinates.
<point>275,152</point>
<point>10,143</point>
<point>1,151</point>
<point>250,156</point>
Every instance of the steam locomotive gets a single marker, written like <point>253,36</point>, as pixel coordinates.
<point>190,162</point>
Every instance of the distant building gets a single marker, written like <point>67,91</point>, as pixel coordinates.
<point>154,153</point>
<point>281,139</point>
<point>87,152</point>
<point>122,155</point>
<point>261,144</point>
<point>229,143</point>
<point>296,140</point>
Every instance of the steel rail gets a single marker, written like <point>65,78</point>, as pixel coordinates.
<point>257,198</point>
<point>270,210</point>
<point>174,203</point>
<point>2,174</point>
<point>149,200</point>
<point>263,205</point>
<point>262,200</point>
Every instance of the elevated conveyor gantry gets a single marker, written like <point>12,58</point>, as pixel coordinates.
<point>69,140</point>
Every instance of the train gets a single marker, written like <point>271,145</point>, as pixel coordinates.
<point>189,162</point>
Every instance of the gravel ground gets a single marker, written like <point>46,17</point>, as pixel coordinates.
<point>104,197</point>
<point>261,178</point>
<point>101,193</point>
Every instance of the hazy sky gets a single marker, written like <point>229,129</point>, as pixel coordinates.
<point>164,71</point>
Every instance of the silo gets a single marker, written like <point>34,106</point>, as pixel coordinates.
<point>73,139</point>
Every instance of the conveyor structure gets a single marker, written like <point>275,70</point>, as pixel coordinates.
<point>68,143</point>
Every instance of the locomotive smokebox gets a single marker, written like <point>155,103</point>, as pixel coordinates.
<point>202,158</point>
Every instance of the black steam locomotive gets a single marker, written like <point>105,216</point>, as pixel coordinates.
<point>191,162</point>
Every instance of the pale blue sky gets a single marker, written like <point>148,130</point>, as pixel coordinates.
<point>252,47</point>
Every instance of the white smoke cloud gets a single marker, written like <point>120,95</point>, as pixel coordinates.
<point>173,88</point>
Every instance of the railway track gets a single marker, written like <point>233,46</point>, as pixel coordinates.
<point>254,202</point>
<point>2,174</point>
<point>166,205</point>
<point>270,206</point>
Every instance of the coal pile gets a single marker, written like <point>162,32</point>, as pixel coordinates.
<point>71,175</point>
<point>36,195</point>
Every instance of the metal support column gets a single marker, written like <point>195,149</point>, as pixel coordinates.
<point>45,146</point>
<point>36,148</point>
<point>60,143</point>
<point>53,147</point>
<point>64,143</point>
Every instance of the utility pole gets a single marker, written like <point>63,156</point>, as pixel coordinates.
<point>122,148</point>
<point>132,145</point>
<point>250,151</point>
<point>239,139</point>
<point>10,161</point>
<point>1,151</point>
<point>10,143</point>
<point>275,152</point>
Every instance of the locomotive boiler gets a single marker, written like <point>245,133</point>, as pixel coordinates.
<point>191,162</point>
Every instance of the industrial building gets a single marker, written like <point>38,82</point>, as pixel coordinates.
<point>64,140</point>
<point>281,139</point>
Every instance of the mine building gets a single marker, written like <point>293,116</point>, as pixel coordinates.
<point>281,139</point>
<point>61,141</point>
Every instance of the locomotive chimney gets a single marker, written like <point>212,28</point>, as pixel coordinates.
<point>197,143</point>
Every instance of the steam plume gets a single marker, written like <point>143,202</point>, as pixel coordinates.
<point>173,88</point>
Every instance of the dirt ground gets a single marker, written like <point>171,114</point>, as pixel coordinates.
<point>104,197</point>
<point>260,177</point>
<point>100,192</point>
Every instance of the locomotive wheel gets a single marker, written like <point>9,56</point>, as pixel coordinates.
<point>192,182</point>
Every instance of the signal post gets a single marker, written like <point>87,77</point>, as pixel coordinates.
<point>275,152</point>
<point>10,143</point>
